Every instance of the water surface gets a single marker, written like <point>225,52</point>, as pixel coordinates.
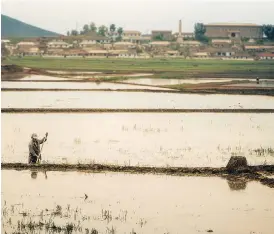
<point>136,203</point>
<point>132,100</point>
<point>204,139</point>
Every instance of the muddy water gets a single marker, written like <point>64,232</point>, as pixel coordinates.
<point>135,203</point>
<point>132,100</point>
<point>148,81</point>
<point>142,139</point>
<point>42,77</point>
<point>262,84</point>
<point>73,85</point>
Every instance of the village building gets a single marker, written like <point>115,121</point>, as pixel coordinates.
<point>123,45</point>
<point>159,43</point>
<point>259,48</point>
<point>172,53</point>
<point>58,44</point>
<point>192,44</point>
<point>74,52</point>
<point>25,43</point>
<point>219,43</point>
<point>185,35</point>
<point>200,55</point>
<point>266,56</point>
<point>87,43</point>
<point>166,34</point>
<point>232,30</point>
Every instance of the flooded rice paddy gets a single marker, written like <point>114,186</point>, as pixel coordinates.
<point>132,100</point>
<point>262,84</point>
<point>50,202</point>
<point>42,78</point>
<point>110,203</point>
<point>73,85</point>
<point>175,139</point>
<point>149,81</point>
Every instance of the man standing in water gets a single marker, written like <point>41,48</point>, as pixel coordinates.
<point>34,148</point>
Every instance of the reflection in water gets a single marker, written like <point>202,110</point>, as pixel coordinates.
<point>236,184</point>
<point>34,174</point>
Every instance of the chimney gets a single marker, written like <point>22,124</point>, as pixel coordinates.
<point>180,28</point>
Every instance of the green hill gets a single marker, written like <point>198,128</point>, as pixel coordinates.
<point>14,28</point>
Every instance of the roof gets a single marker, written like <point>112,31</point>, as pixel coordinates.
<point>266,55</point>
<point>234,24</point>
<point>259,47</point>
<point>87,37</point>
<point>87,43</point>
<point>221,41</point>
<point>172,52</point>
<point>92,51</point>
<point>191,43</point>
<point>58,43</point>
<point>153,31</point>
<point>26,43</point>
<point>200,54</point>
<point>123,43</point>
<point>74,51</point>
<point>160,43</point>
<point>131,31</point>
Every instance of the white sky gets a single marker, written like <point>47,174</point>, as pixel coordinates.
<point>142,15</point>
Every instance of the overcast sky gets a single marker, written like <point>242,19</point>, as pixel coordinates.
<point>142,15</point>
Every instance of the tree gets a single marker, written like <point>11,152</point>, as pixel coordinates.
<point>92,27</point>
<point>120,31</point>
<point>112,28</point>
<point>268,30</point>
<point>85,29</point>
<point>74,32</point>
<point>159,37</point>
<point>199,31</point>
<point>102,30</point>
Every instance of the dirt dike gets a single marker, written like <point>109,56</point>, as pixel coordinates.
<point>107,110</point>
<point>250,173</point>
<point>14,72</point>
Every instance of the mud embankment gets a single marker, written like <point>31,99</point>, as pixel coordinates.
<point>106,110</point>
<point>14,72</point>
<point>251,173</point>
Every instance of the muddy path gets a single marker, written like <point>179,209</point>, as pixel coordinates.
<point>251,173</point>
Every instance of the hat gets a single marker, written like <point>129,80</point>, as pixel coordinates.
<point>34,136</point>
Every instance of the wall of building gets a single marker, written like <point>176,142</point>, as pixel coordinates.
<point>227,31</point>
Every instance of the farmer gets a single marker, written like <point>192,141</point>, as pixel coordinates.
<point>34,148</point>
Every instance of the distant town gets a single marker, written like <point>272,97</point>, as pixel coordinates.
<point>237,41</point>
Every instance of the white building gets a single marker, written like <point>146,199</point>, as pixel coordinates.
<point>58,44</point>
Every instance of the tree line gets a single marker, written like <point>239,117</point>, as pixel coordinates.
<point>113,32</point>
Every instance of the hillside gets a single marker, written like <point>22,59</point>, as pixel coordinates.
<point>14,28</point>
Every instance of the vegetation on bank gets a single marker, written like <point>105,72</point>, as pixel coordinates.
<point>174,65</point>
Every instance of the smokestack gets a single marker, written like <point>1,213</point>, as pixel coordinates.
<point>180,28</point>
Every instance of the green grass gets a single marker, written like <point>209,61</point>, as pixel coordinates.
<point>164,68</point>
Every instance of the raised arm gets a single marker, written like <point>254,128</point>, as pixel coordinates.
<point>42,140</point>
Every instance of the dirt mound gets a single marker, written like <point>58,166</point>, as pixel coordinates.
<point>237,164</point>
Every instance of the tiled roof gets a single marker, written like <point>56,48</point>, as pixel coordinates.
<point>266,55</point>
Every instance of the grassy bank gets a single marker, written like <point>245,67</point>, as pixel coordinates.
<point>162,68</point>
